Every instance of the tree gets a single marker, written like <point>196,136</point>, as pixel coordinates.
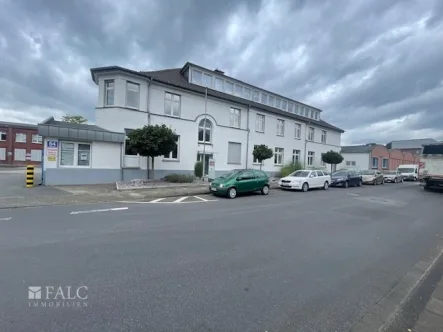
<point>152,141</point>
<point>262,152</point>
<point>74,119</point>
<point>332,157</point>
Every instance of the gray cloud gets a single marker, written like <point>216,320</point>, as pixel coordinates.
<point>365,63</point>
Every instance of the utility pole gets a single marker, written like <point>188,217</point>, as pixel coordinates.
<point>204,132</point>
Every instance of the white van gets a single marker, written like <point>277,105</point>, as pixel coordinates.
<point>409,172</point>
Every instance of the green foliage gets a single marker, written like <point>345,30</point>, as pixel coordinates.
<point>332,157</point>
<point>152,141</point>
<point>198,169</point>
<point>179,178</point>
<point>262,152</point>
<point>74,119</point>
<point>289,168</point>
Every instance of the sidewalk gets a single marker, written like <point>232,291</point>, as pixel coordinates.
<point>431,318</point>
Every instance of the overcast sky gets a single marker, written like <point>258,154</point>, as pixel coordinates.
<point>375,67</point>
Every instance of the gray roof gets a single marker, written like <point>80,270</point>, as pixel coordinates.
<point>174,77</point>
<point>366,148</point>
<point>77,131</point>
<point>410,143</point>
<point>18,125</point>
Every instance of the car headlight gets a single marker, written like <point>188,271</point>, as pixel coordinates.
<point>221,185</point>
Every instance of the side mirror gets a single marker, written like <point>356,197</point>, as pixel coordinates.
<point>239,178</point>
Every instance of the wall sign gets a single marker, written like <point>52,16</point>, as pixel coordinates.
<point>211,169</point>
<point>52,150</point>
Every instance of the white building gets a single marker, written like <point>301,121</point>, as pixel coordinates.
<point>237,116</point>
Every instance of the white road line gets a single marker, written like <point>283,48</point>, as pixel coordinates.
<point>4,219</point>
<point>156,200</point>
<point>204,200</point>
<point>99,210</point>
<point>173,202</point>
<point>180,199</point>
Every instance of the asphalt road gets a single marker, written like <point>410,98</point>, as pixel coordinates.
<point>289,261</point>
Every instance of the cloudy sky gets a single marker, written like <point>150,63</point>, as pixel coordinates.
<point>374,67</point>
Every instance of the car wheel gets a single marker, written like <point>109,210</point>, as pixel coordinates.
<point>232,193</point>
<point>305,187</point>
<point>265,190</point>
<point>395,180</point>
<point>346,184</point>
<point>383,181</point>
<point>326,185</point>
<point>374,182</point>
<point>402,180</point>
<point>360,183</point>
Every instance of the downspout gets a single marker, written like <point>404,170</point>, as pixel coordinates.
<point>306,144</point>
<point>122,157</point>
<point>247,136</point>
<point>148,114</point>
<point>204,132</point>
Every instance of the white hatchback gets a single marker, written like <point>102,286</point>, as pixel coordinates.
<point>305,180</point>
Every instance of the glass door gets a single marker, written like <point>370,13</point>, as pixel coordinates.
<point>207,157</point>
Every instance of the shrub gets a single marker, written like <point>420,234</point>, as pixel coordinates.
<point>289,168</point>
<point>179,178</point>
<point>198,169</point>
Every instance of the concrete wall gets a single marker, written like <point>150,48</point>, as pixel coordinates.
<point>361,161</point>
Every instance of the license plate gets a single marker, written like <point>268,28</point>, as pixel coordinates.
<point>285,185</point>
<point>214,189</point>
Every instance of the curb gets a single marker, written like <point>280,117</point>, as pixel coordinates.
<point>400,308</point>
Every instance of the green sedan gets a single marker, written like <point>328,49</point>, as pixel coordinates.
<point>240,181</point>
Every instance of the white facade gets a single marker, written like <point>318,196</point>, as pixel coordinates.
<point>358,161</point>
<point>227,130</point>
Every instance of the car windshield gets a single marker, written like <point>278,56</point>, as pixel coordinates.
<point>406,170</point>
<point>340,173</point>
<point>389,172</point>
<point>228,175</point>
<point>367,172</point>
<point>299,174</point>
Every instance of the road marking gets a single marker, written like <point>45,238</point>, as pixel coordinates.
<point>4,219</point>
<point>156,200</point>
<point>173,202</point>
<point>180,199</point>
<point>99,210</point>
<point>204,200</point>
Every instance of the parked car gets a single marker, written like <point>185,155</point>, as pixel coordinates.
<point>346,178</point>
<point>372,177</point>
<point>393,176</point>
<point>240,181</point>
<point>305,179</point>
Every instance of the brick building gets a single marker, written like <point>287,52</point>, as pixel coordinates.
<point>19,144</point>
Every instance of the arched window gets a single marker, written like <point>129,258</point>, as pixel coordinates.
<point>205,131</point>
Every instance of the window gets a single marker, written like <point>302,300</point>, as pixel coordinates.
<point>247,93</point>
<point>280,127</point>
<point>75,154</point>
<point>316,115</point>
<point>234,119</point>
<point>311,132</point>
<point>207,80</point>
<point>260,174</point>
<point>234,153</point>
<point>255,161</point>
<point>197,77</point>
<point>2,136</point>
<point>172,104</point>
<point>323,136</point>
<point>109,93</point>
<point>312,114</point>
<point>311,156</point>
<point>20,154</point>
<point>385,163</point>
<point>20,138</point>
<point>255,96</point>
<point>284,104</point>
<point>291,107</point>
<point>229,87</point>
<point>238,90</point>
<point>218,84</point>
<point>173,155</point>
<point>348,163</point>
<point>132,95</point>
<point>129,151</point>
<point>295,156</point>
<point>353,163</point>
<point>297,132</point>
<point>374,162</point>
<point>271,100</point>
<point>260,123</point>
<point>264,98</point>
<point>278,102</point>
<point>205,131</point>
<point>278,156</point>
<point>36,155</point>
<point>2,153</point>
<point>247,175</point>
<point>320,173</point>
<point>37,139</point>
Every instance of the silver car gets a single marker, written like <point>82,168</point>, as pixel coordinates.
<point>372,177</point>
<point>393,176</point>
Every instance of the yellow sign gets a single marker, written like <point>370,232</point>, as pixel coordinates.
<point>52,158</point>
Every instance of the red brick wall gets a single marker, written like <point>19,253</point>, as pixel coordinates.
<point>396,159</point>
<point>380,152</point>
<point>408,158</point>
<point>10,144</point>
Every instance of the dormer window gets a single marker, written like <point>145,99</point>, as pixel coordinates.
<point>132,95</point>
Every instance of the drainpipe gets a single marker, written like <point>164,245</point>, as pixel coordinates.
<point>122,157</point>
<point>148,114</point>
<point>306,144</point>
<point>247,135</point>
<point>204,132</point>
